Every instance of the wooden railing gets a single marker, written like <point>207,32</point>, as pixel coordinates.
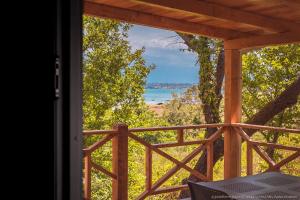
<point>120,135</point>
<point>256,146</point>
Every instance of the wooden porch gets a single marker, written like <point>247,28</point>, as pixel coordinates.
<point>242,25</point>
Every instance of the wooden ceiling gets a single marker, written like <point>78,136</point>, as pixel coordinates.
<point>240,23</point>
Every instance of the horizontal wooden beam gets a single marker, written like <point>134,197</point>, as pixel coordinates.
<point>270,128</point>
<point>174,128</point>
<point>148,19</point>
<point>262,40</point>
<point>98,132</point>
<point>226,13</point>
<point>276,146</point>
<point>177,144</point>
<point>170,189</point>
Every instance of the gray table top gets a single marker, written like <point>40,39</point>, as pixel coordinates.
<point>270,185</point>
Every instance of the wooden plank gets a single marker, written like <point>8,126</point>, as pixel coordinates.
<point>201,8</point>
<point>243,134</point>
<point>249,158</point>
<point>263,40</point>
<point>210,161</point>
<point>148,164</point>
<point>103,170</point>
<point>98,144</point>
<point>148,19</point>
<point>174,128</point>
<point>173,170</point>
<point>287,160</point>
<point>158,183</point>
<point>181,164</point>
<point>232,113</point>
<point>87,178</point>
<point>263,154</point>
<point>170,189</point>
<point>270,128</point>
<point>98,132</point>
<point>120,163</point>
<point>216,135</point>
<point>180,138</point>
<point>277,146</point>
<point>176,144</point>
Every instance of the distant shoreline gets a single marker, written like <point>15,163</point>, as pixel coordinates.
<point>157,108</point>
<point>169,85</point>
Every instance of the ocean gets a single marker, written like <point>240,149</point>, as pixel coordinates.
<point>160,95</point>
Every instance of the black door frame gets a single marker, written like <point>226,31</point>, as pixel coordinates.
<point>68,105</point>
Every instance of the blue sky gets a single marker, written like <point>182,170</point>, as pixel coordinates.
<point>163,50</point>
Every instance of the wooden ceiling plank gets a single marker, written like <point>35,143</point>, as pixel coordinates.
<point>136,17</point>
<point>226,13</point>
<point>262,40</point>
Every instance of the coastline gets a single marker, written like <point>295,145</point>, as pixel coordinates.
<point>157,108</point>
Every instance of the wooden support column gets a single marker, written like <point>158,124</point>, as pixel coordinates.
<point>210,161</point>
<point>233,95</point>
<point>120,163</point>
<point>87,177</point>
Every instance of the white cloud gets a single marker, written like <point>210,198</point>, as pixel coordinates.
<point>140,36</point>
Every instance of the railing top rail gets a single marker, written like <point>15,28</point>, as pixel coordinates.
<point>270,128</point>
<point>171,128</point>
<point>98,132</point>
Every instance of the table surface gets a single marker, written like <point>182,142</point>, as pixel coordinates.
<point>270,185</point>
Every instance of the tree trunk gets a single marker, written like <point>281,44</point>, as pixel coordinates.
<point>285,100</point>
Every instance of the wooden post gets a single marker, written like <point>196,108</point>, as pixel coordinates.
<point>210,160</point>
<point>120,163</point>
<point>87,177</point>
<point>180,136</point>
<point>233,95</point>
<point>148,168</point>
<point>249,159</point>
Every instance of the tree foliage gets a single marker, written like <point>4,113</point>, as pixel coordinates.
<point>114,74</point>
<point>184,109</point>
<point>266,74</point>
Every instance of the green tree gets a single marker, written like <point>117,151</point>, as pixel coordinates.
<point>211,74</point>
<point>184,109</point>
<point>114,74</point>
<point>266,74</point>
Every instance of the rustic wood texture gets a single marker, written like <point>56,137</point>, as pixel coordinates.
<point>148,164</point>
<point>215,11</point>
<point>249,158</point>
<point>224,19</point>
<point>120,163</point>
<point>170,128</point>
<point>176,144</point>
<point>180,136</point>
<point>177,162</point>
<point>120,136</point>
<point>210,161</point>
<point>269,128</point>
<point>156,21</point>
<point>263,40</point>
<point>98,132</point>
<point>87,178</point>
<point>170,189</point>
<point>98,144</point>
<point>103,170</point>
<point>232,113</point>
